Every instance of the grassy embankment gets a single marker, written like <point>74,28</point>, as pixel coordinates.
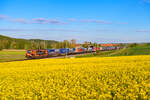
<point>138,50</point>
<point>10,55</point>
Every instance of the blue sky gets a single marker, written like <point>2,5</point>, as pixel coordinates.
<point>85,20</point>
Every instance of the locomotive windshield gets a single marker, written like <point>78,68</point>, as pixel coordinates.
<point>39,52</point>
<point>29,51</point>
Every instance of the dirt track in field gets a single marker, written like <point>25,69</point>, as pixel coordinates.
<point>65,56</point>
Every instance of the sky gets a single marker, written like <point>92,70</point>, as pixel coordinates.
<point>102,21</point>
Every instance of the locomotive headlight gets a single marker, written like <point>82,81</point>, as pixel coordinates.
<point>28,54</point>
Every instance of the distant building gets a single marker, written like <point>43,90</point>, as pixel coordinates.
<point>73,41</point>
<point>109,45</point>
<point>77,45</point>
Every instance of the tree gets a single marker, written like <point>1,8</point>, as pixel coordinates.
<point>54,45</point>
<point>0,47</point>
<point>66,44</point>
<point>85,45</point>
<point>132,45</point>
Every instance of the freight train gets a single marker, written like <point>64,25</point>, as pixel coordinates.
<point>44,53</point>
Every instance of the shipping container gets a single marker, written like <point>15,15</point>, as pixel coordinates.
<point>51,51</point>
<point>64,51</point>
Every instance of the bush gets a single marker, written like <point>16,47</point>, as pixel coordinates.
<point>145,44</point>
<point>132,45</point>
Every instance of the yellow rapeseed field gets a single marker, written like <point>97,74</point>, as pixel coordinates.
<point>79,78</point>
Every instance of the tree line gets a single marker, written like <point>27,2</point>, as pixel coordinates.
<point>13,43</point>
